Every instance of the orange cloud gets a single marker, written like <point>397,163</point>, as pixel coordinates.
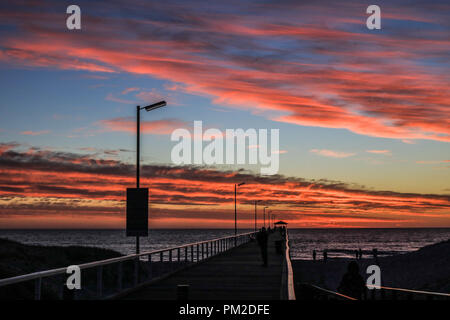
<point>385,152</point>
<point>378,86</point>
<point>45,183</point>
<point>331,153</point>
<point>35,133</point>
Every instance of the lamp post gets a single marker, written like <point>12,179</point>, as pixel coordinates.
<point>138,137</point>
<point>269,216</point>
<point>265,216</point>
<point>256,219</point>
<point>235,210</point>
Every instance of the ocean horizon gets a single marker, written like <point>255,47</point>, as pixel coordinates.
<point>302,240</point>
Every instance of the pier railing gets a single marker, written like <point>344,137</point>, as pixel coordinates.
<point>309,291</point>
<point>287,277</point>
<point>313,292</point>
<point>113,277</point>
<point>389,293</point>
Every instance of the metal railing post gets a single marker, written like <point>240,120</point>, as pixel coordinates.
<point>161,259</point>
<point>198,251</point>
<point>61,288</point>
<point>150,271</point>
<point>99,281</point>
<point>136,271</point>
<point>37,288</point>
<point>203,251</point>
<point>119,276</point>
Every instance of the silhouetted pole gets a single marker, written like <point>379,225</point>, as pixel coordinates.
<point>138,145</point>
<point>138,156</point>
<point>235,210</point>
<point>265,216</point>
<point>235,214</point>
<point>255,214</point>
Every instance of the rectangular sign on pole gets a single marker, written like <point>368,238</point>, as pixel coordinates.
<point>137,212</point>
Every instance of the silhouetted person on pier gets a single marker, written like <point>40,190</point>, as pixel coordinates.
<point>360,253</point>
<point>262,238</point>
<point>375,255</point>
<point>352,283</point>
<point>314,255</point>
<point>283,233</point>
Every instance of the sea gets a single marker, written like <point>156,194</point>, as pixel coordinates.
<point>302,241</point>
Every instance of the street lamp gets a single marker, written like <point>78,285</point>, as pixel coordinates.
<point>256,202</point>
<point>138,137</point>
<point>265,216</point>
<point>138,131</point>
<point>235,210</point>
<point>268,215</point>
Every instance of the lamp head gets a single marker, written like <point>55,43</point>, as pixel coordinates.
<point>155,106</point>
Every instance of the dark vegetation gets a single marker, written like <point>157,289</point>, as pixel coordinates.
<point>19,259</point>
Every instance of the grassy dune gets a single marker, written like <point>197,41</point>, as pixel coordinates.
<point>18,259</point>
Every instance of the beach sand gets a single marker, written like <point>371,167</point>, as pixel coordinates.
<point>425,269</point>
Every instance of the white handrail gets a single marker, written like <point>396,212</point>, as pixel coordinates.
<point>410,290</point>
<point>332,292</point>
<point>290,273</point>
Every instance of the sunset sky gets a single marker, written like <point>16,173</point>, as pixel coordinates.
<point>364,115</point>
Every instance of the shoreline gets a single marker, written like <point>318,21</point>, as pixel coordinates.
<point>425,269</point>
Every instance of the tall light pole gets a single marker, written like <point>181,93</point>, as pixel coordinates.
<point>235,210</point>
<point>256,219</point>
<point>265,216</point>
<point>268,214</point>
<point>138,142</point>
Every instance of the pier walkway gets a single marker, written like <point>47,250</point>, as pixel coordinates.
<point>228,268</point>
<point>236,274</point>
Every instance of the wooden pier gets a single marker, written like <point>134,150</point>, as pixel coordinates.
<point>228,268</point>
<point>237,274</point>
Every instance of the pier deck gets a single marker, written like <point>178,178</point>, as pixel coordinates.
<point>237,274</point>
